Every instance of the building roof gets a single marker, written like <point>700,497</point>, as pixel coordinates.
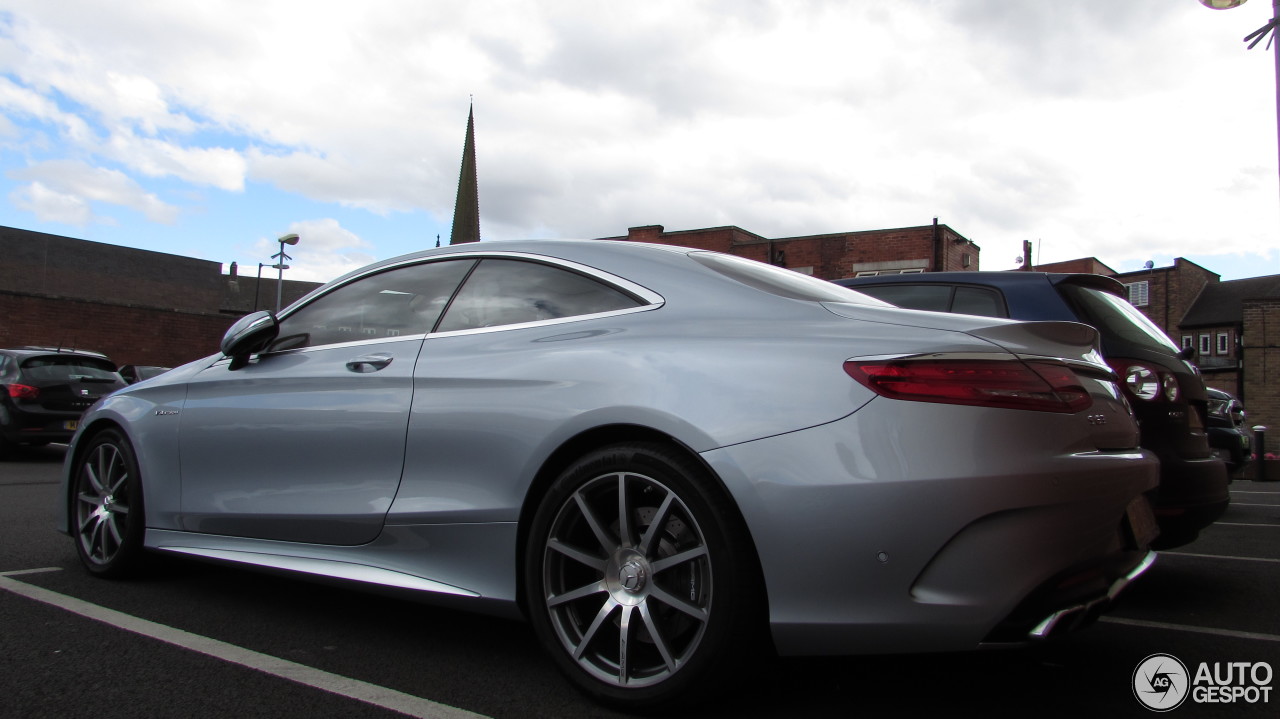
<point>1083,265</point>
<point>1221,303</point>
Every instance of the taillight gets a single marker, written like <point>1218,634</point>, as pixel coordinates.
<point>22,391</point>
<point>1010,384</point>
<point>1145,382</point>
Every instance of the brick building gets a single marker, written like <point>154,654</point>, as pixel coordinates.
<point>926,248</point>
<point>137,306</point>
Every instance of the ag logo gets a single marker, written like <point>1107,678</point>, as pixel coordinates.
<point>1160,682</point>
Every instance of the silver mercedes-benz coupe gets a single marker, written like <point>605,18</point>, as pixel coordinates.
<point>667,460</point>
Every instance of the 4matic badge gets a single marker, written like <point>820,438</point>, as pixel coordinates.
<point>1160,682</point>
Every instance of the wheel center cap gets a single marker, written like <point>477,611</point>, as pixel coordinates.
<point>633,576</point>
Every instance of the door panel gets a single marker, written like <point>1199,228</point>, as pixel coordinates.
<point>303,446</point>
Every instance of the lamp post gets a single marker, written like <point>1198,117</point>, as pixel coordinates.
<point>1256,37</point>
<point>280,257</point>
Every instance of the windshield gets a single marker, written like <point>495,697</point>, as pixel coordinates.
<point>1115,317</point>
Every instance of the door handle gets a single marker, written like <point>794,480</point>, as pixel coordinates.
<point>369,363</point>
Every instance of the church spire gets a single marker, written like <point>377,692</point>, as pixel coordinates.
<point>466,210</point>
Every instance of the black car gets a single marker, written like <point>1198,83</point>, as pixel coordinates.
<point>1167,392</point>
<point>44,390</point>
<point>1228,436</point>
<point>134,373</point>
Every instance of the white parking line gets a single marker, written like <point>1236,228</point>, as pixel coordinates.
<point>302,674</point>
<point>1198,630</point>
<point>1242,524</point>
<point>1219,556</point>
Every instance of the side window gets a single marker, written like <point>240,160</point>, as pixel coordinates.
<point>505,292</point>
<point>978,301</point>
<point>936,298</point>
<point>401,301</point>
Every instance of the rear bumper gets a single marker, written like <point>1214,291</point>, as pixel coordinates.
<point>932,545</point>
<point>1193,494</point>
<point>20,426</point>
<point>1072,600</point>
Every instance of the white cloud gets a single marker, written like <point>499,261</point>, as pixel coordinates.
<point>213,166</point>
<point>1094,125</point>
<point>70,179</point>
<point>324,251</point>
<point>51,205</point>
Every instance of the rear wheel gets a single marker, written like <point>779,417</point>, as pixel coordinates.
<point>107,506</point>
<point>639,578</point>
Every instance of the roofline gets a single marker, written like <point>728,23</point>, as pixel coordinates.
<point>761,238</point>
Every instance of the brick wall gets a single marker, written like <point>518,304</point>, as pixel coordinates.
<point>1170,291</point>
<point>55,266</point>
<point>1261,346</point>
<point>930,247</point>
<point>126,334</point>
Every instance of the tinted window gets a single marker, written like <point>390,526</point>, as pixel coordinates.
<point>936,298</point>
<point>1116,318</point>
<point>978,301</point>
<point>395,303</point>
<point>505,292</point>
<point>62,368</point>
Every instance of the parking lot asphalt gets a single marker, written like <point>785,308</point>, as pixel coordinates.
<point>196,640</point>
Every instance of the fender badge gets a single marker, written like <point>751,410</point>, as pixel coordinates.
<point>166,412</point>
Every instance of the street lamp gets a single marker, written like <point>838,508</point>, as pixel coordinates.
<point>280,257</point>
<point>1256,37</point>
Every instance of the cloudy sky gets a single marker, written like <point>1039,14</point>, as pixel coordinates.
<point>1128,130</point>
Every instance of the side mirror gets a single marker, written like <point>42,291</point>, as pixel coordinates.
<point>251,333</point>
<point>1187,353</point>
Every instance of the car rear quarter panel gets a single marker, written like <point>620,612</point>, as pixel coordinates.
<point>490,408</point>
<point>911,526</point>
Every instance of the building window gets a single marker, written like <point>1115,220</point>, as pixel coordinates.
<point>1206,344</point>
<point>1138,293</point>
<point>1224,343</point>
<point>1188,341</point>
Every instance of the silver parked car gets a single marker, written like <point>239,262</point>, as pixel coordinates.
<point>667,459</point>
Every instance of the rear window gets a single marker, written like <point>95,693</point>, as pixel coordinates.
<point>780,281</point>
<point>57,368</point>
<point>939,297</point>
<point>1115,318</point>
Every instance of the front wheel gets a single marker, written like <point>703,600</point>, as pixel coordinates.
<point>107,506</point>
<point>640,579</point>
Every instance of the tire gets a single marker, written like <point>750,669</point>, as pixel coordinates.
<point>641,581</point>
<point>106,507</point>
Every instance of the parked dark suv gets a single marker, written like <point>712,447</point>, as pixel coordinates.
<point>44,390</point>
<point>1166,391</point>
<point>1228,436</point>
